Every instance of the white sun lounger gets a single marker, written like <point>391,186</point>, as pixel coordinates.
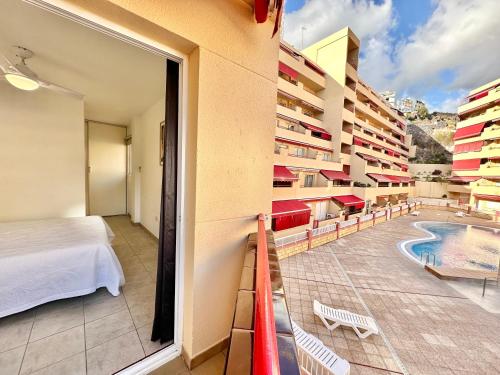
<point>415,213</point>
<point>345,318</point>
<point>315,358</point>
<point>460,214</point>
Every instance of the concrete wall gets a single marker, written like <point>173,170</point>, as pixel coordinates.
<point>229,151</point>
<point>42,155</point>
<point>430,189</point>
<point>427,169</point>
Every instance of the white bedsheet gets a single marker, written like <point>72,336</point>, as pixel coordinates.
<point>46,260</point>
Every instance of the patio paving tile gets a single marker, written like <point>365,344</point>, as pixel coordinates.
<point>431,326</point>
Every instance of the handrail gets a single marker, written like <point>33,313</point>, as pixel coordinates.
<point>265,348</point>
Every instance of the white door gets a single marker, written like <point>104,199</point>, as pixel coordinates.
<point>107,169</point>
<point>321,210</point>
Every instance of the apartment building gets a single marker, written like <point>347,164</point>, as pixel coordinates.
<point>476,157</point>
<point>340,148</point>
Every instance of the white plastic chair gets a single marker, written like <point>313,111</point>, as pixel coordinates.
<point>460,214</point>
<point>315,358</point>
<point>345,318</point>
<point>415,213</point>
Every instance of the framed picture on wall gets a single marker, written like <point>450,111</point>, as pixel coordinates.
<point>162,140</point>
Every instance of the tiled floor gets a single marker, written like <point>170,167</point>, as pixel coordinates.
<point>93,334</point>
<point>432,328</point>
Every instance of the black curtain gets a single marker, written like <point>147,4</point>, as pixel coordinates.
<point>163,324</point>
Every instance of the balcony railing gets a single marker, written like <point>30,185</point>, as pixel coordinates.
<point>265,349</point>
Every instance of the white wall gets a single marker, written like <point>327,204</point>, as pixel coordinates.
<point>42,155</point>
<point>145,184</point>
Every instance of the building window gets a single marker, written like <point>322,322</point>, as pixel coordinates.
<point>300,152</point>
<point>309,180</point>
<point>326,157</point>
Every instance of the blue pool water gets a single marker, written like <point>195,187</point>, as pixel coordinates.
<point>457,245</point>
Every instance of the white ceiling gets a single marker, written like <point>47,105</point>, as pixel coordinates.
<point>119,80</point>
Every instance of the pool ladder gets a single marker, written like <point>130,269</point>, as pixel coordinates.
<point>427,259</point>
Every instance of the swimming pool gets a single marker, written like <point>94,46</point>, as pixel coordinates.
<point>456,245</point>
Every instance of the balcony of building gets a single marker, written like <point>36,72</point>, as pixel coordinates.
<point>486,115</point>
<point>311,77</point>
<point>303,156</point>
<point>379,140</point>
<point>486,149</point>
<point>378,153</point>
<point>371,193</point>
<point>485,99</point>
<point>349,93</point>
<point>370,110</point>
<point>388,135</point>
<point>461,188</point>
<point>292,110</point>
<point>299,133</point>
<point>300,91</point>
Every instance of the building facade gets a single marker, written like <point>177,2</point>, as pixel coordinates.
<point>476,154</point>
<point>340,148</point>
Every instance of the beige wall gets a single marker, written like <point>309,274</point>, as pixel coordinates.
<point>147,171</point>
<point>431,189</point>
<point>229,151</point>
<point>42,155</point>
<point>427,169</point>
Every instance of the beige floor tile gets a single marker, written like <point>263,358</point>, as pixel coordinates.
<point>213,366</point>
<point>56,317</point>
<point>142,314</point>
<point>107,328</point>
<point>15,330</point>
<point>10,361</point>
<point>115,354</point>
<point>74,365</point>
<point>52,349</point>
<point>101,304</point>
<point>149,346</point>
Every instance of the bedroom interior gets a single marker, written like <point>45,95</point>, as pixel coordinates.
<point>64,156</point>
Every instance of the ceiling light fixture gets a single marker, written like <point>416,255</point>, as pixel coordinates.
<point>21,81</point>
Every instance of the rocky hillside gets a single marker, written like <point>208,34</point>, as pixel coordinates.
<point>433,135</point>
<point>429,150</point>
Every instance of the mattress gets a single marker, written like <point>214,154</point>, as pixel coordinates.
<point>46,260</point>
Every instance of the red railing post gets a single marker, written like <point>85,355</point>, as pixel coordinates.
<point>358,222</point>
<point>265,348</point>
<point>309,239</point>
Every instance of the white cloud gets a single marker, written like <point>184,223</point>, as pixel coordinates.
<point>449,104</point>
<point>461,37</point>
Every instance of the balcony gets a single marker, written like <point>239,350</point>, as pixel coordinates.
<point>377,117</point>
<point>382,143</point>
<point>349,94</point>
<point>283,158</point>
<point>297,192</point>
<point>377,154</point>
<point>261,336</point>
<point>488,115</point>
<point>487,151</point>
<point>308,75</point>
<point>459,188</point>
<point>351,72</point>
<point>371,193</point>
<point>348,115</point>
<point>299,92</point>
<point>303,138</point>
<point>296,114</point>
<point>493,95</point>
<point>345,137</point>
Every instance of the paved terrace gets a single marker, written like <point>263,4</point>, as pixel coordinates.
<point>427,325</point>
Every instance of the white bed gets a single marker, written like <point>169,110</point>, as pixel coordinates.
<point>46,260</point>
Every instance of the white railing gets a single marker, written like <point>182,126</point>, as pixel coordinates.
<point>380,213</point>
<point>347,223</point>
<point>323,230</point>
<point>366,218</point>
<point>396,209</point>
<point>294,238</point>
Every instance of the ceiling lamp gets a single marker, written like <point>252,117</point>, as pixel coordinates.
<point>21,82</point>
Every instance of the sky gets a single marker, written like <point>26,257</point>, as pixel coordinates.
<point>433,50</point>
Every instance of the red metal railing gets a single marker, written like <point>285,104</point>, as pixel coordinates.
<point>265,347</point>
